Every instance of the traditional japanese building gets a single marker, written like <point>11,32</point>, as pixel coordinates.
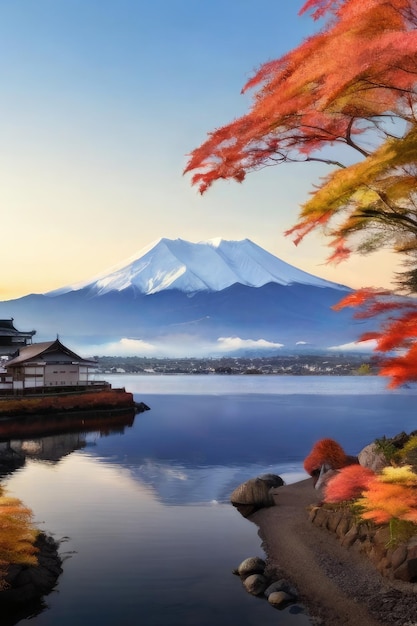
<point>48,364</point>
<point>12,339</point>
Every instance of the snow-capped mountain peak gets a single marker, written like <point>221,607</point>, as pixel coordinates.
<point>211,265</point>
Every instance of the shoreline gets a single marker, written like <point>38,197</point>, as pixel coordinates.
<point>337,585</point>
<point>58,400</point>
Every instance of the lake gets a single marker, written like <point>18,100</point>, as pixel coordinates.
<point>142,507</point>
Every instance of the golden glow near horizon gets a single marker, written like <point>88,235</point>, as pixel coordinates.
<point>376,270</point>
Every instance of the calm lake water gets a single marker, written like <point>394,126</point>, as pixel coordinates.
<point>149,535</point>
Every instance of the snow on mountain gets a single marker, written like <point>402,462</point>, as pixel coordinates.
<point>211,265</point>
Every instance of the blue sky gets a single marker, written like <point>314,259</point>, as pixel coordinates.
<point>100,103</point>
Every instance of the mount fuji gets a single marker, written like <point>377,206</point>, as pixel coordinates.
<point>177,298</point>
<point>189,267</point>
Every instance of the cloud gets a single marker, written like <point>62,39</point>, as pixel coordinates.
<point>356,346</point>
<point>177,346</point>
<point>124,347</point>
<point>228,344</point>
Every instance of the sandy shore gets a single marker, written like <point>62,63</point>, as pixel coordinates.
<point>339,586</point>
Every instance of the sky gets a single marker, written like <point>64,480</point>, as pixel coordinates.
<point>102,100</point>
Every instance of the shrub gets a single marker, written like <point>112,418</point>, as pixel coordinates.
<point>348,483</point>
<point>383,501</point>
<point>17,535</point>
<point>325,451</point>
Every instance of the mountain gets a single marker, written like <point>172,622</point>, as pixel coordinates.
<point>189,267</point>
<point>177,298</point>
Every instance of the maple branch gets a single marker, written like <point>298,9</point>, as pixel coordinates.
<point>327,161</point>
<point>350,142</point>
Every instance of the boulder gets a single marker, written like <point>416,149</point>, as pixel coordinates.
<point>255,494</point>
<point>255,584</point>
<point>371,456</point>
<point>272,480</point>
<point>251,565</point>
<point>279,599</point>
<point>281,585</point>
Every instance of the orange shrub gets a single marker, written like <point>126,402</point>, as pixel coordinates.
<point>348,483</point>
<point>382,501</point>
<point>325,451</point>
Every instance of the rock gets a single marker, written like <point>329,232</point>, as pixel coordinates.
<point>29,583</point>
<point>407,571</point>
<point>280,585</point>
<point>272,480</point>
<point>321,518</point>
<point>400,440</point>
<point>253,495</point>
<point>255,584</point>
<point>252,565</point>
<point>141,407</point>
<point>343,527</point>
<point>334,519</point>
<point>350,537</point>
<point>280,599</point>
<point>382,536</point>
<point>372,457</point>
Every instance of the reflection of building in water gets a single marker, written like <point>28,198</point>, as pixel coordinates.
<point>52,438</point>
<point>52,448</point>
<point>13,453</point>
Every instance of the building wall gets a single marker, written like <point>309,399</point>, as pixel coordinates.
<point>61,374</point>
<point>33,376</point>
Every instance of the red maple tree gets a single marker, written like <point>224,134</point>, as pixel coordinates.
<point>397,334</point>
<point>351,89</point>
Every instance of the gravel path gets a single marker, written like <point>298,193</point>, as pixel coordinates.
<point>339,586</point>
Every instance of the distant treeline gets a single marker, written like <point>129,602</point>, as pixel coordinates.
<point>288,364</point>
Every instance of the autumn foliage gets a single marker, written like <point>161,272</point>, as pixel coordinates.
<point>397,333</point>
<point>348,484</point>
<point>325,451</point>
<point>382,498</point>
<point>349,89</point>
<point>347,97</point>
<point>383,501</point>
<point>17,535</point>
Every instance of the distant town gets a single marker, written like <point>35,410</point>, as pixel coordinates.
<point>298,365</point>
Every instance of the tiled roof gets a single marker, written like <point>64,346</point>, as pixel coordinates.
<point>7,329</point>
<point>28,353</point>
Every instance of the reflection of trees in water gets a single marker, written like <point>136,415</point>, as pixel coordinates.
<point>30,584</point>
<point>14,614</point>
<point>10,460</point>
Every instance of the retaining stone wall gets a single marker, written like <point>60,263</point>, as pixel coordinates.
<point>395,560</point>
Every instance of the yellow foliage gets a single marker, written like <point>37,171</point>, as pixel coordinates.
<point>17,535</point>
<point>401,475</point>
<point>360,184</point>
<point>410,446</point>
